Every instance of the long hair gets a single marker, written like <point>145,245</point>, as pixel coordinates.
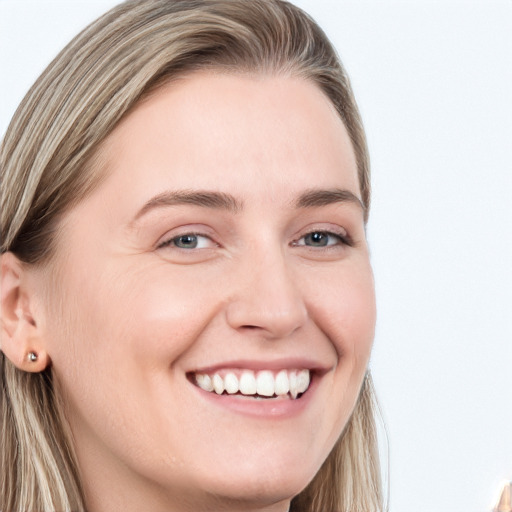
<point>50,159</point>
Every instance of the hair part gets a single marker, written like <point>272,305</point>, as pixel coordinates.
<point>51,158</point>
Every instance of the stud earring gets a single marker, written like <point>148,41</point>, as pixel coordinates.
<point>32,357</point>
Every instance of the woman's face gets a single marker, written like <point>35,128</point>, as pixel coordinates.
<point>226,247</point>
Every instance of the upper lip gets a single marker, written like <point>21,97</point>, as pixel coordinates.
<point>292,363</point>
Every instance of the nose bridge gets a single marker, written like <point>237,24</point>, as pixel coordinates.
<point>266,296</point>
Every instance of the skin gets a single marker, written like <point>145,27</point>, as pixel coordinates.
<point>131,314</point>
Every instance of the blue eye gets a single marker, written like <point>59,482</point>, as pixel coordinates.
<point>189,241</point>
<point>321,239</point>
<point>186,241</point>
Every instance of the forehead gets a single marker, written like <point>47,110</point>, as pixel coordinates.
<point>206,125</point>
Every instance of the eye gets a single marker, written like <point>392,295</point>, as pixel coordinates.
<point>189,241</point>
<point>322,239</point>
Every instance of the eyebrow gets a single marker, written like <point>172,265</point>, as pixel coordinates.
<point>205,199</point>
<point>220,200</point>
<point>316,197</point>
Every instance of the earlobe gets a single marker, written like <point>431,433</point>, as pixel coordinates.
<point>21,339</point>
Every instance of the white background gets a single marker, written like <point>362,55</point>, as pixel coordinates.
<point>434,83</point>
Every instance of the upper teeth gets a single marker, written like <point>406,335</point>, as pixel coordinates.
<point>263,383</point>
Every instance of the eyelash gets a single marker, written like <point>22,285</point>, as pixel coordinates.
<point>342,239</point>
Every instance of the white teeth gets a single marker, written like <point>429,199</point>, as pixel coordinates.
<point>302,381</point>
<point>294,389</point>
<point>231,383</point>
<point>204,382</point>
<point>265,383</point>
<point>282,384</point>
<point>218,384</point>
<point>248,383</point>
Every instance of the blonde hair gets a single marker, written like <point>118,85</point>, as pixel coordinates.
<point>48,160</point>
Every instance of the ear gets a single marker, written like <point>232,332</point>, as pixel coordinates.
<point>21,337</point>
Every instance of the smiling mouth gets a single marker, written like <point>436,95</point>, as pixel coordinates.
<point>264,384</point>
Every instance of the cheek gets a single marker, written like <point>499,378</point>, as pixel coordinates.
<point>121,322</point>
<point>358,318</point>
<point>343,306</point>
<point>165,312</point>
<point>113,339</point>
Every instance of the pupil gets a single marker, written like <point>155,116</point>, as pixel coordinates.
<point>187,241</point>
<point>318,239</point>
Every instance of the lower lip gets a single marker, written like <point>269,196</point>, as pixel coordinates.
<point>280,408</point>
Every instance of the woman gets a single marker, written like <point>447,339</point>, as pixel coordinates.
<point>187,300</point>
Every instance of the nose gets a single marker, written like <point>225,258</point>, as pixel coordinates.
<point>267,299</point>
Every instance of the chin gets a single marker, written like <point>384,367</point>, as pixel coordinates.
<point>260,485</point>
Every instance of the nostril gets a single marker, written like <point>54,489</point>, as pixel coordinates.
<point>250,330</point>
